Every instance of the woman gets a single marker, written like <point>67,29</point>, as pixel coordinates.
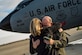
<point>36,38</point>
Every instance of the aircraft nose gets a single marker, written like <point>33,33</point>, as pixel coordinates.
<point>5,24</point>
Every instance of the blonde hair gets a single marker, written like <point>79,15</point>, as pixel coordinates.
<point>35,27</point>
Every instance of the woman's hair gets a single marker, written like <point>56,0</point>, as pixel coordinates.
<point>35,26</point>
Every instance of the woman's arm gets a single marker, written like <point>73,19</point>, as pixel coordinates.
<point>32,50</point>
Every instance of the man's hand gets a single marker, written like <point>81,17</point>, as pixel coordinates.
<point>35,43</point>
<point>51,41</point>
<point>60,30</point>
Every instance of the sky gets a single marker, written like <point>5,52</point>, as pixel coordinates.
<point>7,6</point>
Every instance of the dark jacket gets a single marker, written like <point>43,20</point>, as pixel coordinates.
<point>40,50</point>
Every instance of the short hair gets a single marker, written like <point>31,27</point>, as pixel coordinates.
<point>34,26</point>
<point>47,17</point>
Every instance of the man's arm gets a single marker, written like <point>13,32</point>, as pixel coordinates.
<point>62,42</point>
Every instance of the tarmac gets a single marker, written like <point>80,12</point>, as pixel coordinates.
<point>75,49</point>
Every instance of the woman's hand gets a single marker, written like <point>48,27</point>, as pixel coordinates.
<point>35,43</point>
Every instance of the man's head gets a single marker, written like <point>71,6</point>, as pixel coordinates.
<point>47,21</point>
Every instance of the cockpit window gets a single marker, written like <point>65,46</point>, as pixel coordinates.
<point>23,4</point>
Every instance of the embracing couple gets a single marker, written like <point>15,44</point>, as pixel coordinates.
<point>47,38</point>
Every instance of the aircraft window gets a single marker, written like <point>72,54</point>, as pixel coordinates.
<point>22,5</point>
